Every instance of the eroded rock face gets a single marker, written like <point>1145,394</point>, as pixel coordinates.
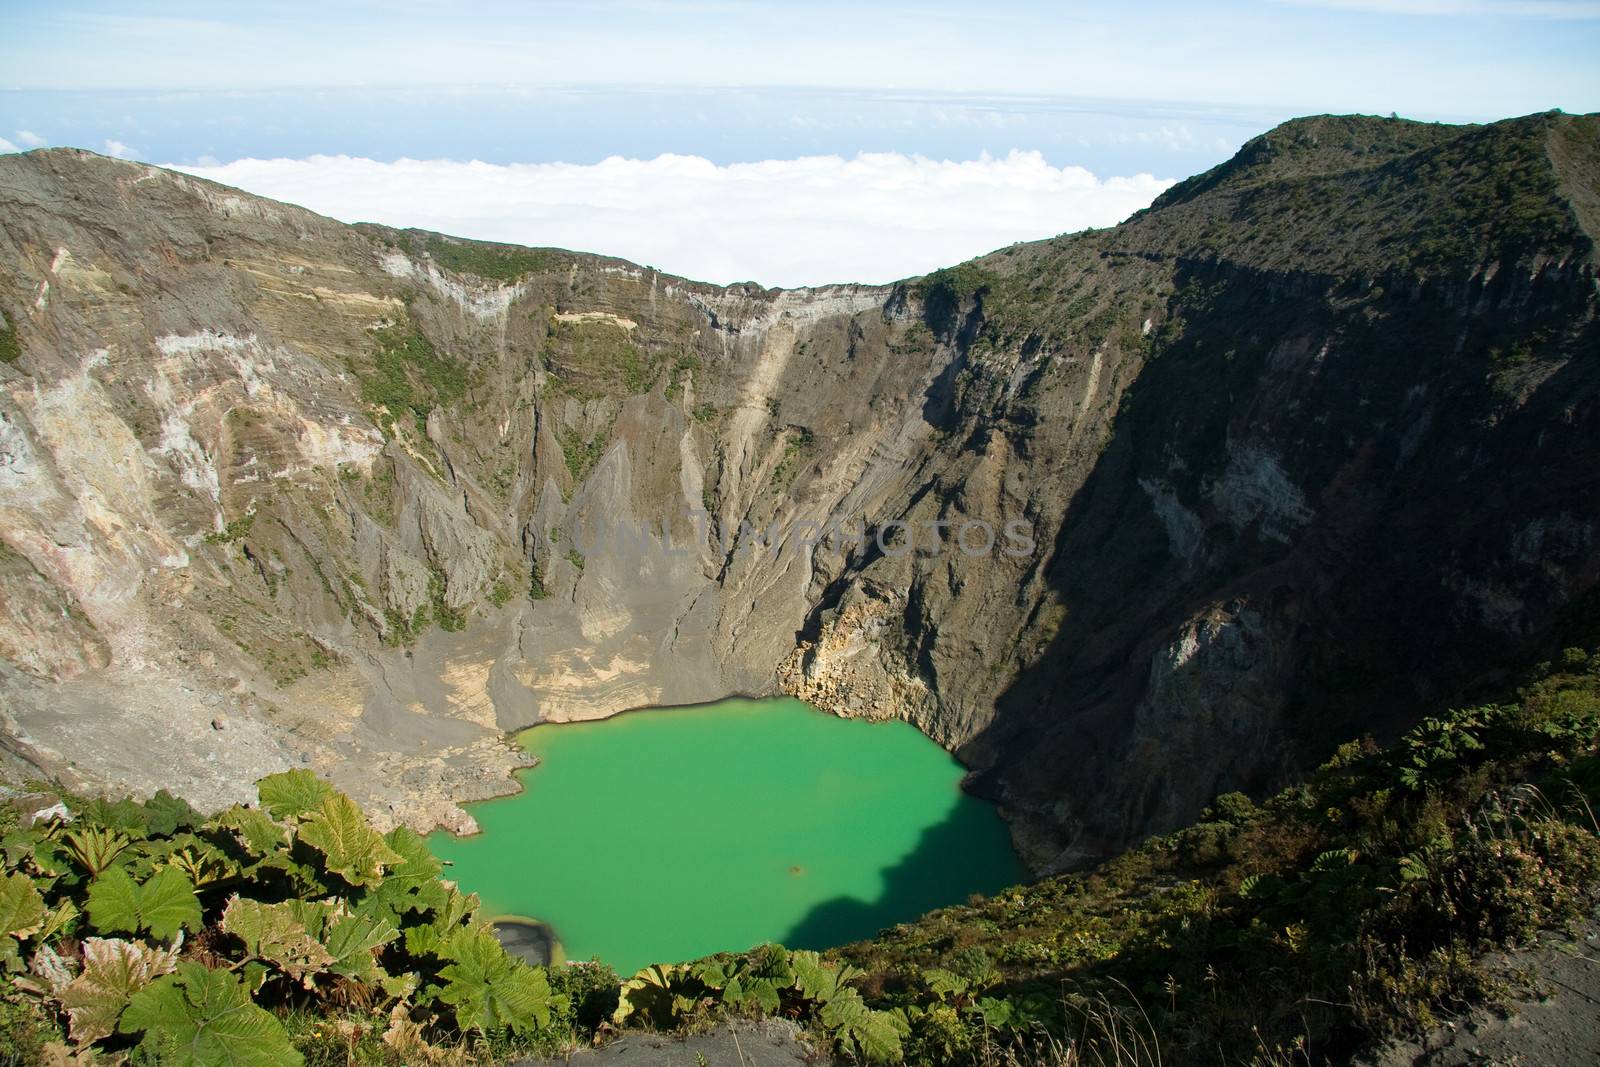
<point>375,498</point>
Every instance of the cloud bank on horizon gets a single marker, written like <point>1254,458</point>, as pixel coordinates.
<point>876,217</point>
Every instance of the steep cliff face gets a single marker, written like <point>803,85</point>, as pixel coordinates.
<point>1297,452</point>
<point>1310,446</point>
<point>277,490</point>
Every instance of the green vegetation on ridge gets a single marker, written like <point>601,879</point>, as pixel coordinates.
<point>1346,909</point>
<point>409,375</point>
<point>1424,197</point>
<point>10,347</point>
<point>489,260</point>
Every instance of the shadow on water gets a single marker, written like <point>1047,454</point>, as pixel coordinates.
<point>966,852</point>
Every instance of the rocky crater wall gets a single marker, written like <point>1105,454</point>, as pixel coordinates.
<point>277,491</point>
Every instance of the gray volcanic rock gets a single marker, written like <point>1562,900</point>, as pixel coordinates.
<point>732,1043</point>
<point>1304,450</point>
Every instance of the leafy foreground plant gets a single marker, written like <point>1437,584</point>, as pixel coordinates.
<point>769,980</point>
<point>148,934</point>
<point>159,936</point>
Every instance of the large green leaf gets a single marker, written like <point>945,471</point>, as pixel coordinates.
<point>944,984</point>
<point>28,850</point>
<point>95,848</point>
<point>419,863</point>
<point>203,1018</point>
<point>126,815</point>
<point>1002,1013</point>
<point>715,973</point>
<point>307,880</point>
<point>760,978</point>
<point>652,995</point>
<point>879,1037</point>
<point>458,908</point>
<point>114,902</point>
<point>22,914</point>
<point>113,971</point>
<point>165,814</point>
<point>490,990</point>
<point>314,914</point>
<point>50,858</point>
<point>167,903</point>
<point>202,862</point>
<point>874,1034</point>
<point>350,847</point>
<point>814,979</point>
<point>423,941</point>
<point>748,991</point>
<point>253,829</point>
<point>292,794</point>
<point>58,919</point>
<point>272,932</point>
<point>352,940</point>
<point>16,847</point>
<point>161,906</point>
<point>410,885</point>
<point>22,910</point>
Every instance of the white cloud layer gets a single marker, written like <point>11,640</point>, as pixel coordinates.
<point>7,146</point>
<point>874,218</point>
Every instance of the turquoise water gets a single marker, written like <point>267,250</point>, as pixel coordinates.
<point>672,833</point>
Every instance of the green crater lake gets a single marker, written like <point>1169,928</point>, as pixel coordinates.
<point>672,833</point>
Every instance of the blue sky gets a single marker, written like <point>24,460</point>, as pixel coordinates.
<point>1431,57</point>
<point>1164,89</point>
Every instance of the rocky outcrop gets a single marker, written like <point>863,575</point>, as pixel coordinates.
<point>1125,519</point>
